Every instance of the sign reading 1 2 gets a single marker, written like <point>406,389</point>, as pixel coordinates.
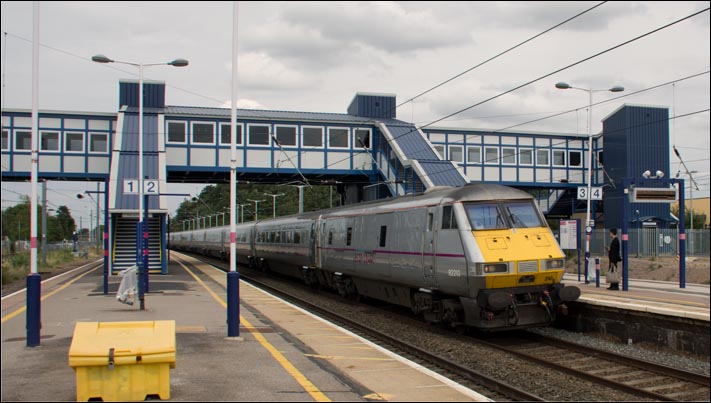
<point>150,187</point>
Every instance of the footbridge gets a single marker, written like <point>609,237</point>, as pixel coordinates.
<point>366,152</point>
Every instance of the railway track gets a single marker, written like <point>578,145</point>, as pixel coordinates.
<point>596,367</point>
<point>640,378</point>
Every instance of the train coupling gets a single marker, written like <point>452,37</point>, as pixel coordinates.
<point>562,309</point>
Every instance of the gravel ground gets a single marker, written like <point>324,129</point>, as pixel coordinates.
<point>667,357</point>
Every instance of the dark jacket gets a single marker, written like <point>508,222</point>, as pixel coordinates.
<point>614,253</point>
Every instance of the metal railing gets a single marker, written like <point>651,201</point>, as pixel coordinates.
<point>655,242</point>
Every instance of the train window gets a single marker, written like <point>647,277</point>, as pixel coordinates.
<point>383,235</point>
<point>430,221</point>
<point>448,220</point>
<point>330,237</point>
<point>297,236</point>
<point>523,214</point>
<point>349,236</point>
<point>485,216</point>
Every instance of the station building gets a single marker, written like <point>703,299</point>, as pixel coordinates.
<point>366,152</point>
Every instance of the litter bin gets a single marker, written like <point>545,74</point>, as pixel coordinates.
<point>123,361</point>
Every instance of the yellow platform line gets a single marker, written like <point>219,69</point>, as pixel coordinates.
<point>341,357</point>
<point>308,386</point>
<point>24,308</point>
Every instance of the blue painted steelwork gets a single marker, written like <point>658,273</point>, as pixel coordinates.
<point>442,173</point>
<point>636,139</point>
<point>153,94</point>
<point>380,106</point>
<point>411,142</point>
<point>484,157</point>
<point>233,304</point>
<point>521,159</point>
<point>34,307</point>
<point>191,112</point>
<point>54,128</point>
<point>128,159</point>
<point>164,244</point>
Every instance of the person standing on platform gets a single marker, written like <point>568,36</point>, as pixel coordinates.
<point>613,274</point>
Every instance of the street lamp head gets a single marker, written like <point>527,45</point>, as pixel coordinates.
<point>101,59</point>
<point>179,63</point>
<point>617,88</point>
<point>562,86</point>
<point>647,174</point>
<point>660,174</point>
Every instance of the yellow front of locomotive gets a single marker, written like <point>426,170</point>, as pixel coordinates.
<point>518,257</point>
<point>517,278</point>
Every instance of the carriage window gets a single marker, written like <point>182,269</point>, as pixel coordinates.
<point>349,236</point>
<point>330,238</point>
<point>383,235</point>
<point>448,220</point>
<point>430,221</point>
<point>485,216</point>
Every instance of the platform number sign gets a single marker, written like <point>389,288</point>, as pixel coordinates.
<point>150,187</point>
<point>595,193</point>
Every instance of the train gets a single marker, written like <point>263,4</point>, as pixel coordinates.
<point>479,256</point>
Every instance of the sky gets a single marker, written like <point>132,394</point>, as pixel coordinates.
<point>314,56</point>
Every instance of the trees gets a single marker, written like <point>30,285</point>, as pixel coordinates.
<point>16,222</point>
<point>215,199</point>
<point>699,218</point>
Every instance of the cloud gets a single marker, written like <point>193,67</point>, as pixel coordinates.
<point>260,71</point>
<point>334,34</point>
<point>244,103</point>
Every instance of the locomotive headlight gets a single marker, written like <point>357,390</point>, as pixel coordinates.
<point>554,264</point>
<point>490,268</point>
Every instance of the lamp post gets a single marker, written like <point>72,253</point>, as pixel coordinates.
<point>98,209</point>
<point>256,209</point>
<point>588,223</point>
<point>142,227</point>
<point>301,198</point>
<point>242,206</point>
<point>274,196</point>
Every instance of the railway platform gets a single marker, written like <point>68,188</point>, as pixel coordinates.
<point>658,297</point>
<point>284,354</point>
<point>655,312</point>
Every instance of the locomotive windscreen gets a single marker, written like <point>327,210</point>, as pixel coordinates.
<point>515,214</point>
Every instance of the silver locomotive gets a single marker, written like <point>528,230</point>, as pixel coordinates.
<point>480,256</point>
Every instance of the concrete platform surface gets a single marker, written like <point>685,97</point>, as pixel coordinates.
<point>284,354</point>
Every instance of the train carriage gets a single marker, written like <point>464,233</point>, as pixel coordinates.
<point>480,256</point>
